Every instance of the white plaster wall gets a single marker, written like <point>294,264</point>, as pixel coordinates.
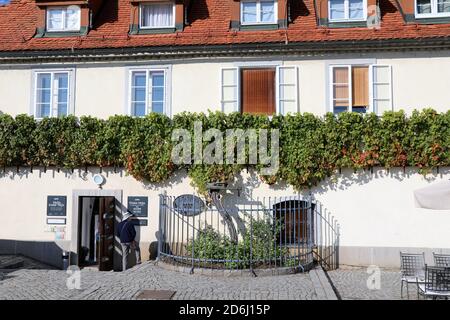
<point>374,210</point>
<point>100,91</point>
<point>311,85</point>
<point>15,91</point>
<point>419,81</point>
<point>196,87</point>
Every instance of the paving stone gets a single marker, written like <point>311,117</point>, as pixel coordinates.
<point>352,284</point>
<point>52,284</point>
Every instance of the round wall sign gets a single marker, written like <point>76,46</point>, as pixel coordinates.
<point>188,205</point>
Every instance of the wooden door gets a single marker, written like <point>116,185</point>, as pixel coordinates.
<point>107,209</point>
<point>258,91</point>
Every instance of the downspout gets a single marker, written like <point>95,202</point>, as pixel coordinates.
<point>287,17</point>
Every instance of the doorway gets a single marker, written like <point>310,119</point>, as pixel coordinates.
<point>96,232</point>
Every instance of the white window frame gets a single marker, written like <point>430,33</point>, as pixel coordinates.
<point>64,8</point>
<point>53,92</point>
<point>434,11</point>
<point>258,13</point>
<point>347,12</point>
<point>372,99</point>
<point>167,89</point>
<point>141,26</point>
<point>350,86</point>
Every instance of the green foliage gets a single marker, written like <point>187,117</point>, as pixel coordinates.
<point>311,148</point>
<point>209,244</point>
<point>146,150</point>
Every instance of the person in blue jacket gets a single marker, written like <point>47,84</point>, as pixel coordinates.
<point>127,234</point>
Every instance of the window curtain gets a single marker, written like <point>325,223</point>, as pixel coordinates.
<point>157,15</point>
<point>424,6</point>
<point>267,11</point>
<point>73,18</point>
<point>337,9</point>
<point>443,5</point>
<point>55,19</point>
<point>356,8</point>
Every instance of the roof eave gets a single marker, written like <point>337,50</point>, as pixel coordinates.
<point>246,49</point>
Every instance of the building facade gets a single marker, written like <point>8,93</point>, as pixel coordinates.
<point>134,57</point>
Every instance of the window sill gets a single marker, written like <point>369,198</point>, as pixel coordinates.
<point>427,20</point>
<point>343,24</point>
<point>271,26</point>
<point>42,33</point>
<point>135,30</point>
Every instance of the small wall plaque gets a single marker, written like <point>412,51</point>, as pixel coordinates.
<point>57,221</point>
<point>140,222</point>
<point>188,205</point>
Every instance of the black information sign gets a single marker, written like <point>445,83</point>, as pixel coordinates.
<point>56,206</point>
<point>138,206</point>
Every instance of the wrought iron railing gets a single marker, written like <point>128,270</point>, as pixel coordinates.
<point>271,232</point>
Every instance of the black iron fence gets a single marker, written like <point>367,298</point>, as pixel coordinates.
<point>271,232</point>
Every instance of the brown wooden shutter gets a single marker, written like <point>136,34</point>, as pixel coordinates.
<point>258,91</point>
<point>360,86</point>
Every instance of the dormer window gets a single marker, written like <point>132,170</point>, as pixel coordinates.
<point>347,10</point>
<point>432,8</point>
<point>63,19</point>
<point>157,15</point>
<point>258,12</point>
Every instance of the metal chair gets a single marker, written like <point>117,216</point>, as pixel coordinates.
<point>437,283</point>
<point>441,260</point>
<point>412,268</point>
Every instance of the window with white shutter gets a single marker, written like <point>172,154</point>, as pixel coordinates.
<point>287,89</point>
<point>381,88</point>
<point>360,88</point>
<point>229,94</point>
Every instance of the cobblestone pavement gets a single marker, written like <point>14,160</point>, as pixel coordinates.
<point>351,283</point>
<point>51,284</point>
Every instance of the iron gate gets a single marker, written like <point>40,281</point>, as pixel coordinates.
<point>271,232</point>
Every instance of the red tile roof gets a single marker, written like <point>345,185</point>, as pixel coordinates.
<point>209,20</point>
